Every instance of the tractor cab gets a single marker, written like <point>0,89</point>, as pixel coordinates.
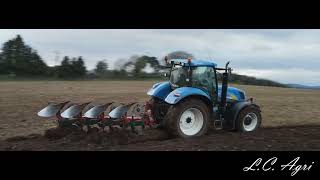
<point>203,75</point>
<point>198,74</point>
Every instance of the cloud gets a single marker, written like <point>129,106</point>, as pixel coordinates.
<point>253,49</point>
<point>290,76</point>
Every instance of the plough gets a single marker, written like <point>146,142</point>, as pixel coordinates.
<point>109,115</point>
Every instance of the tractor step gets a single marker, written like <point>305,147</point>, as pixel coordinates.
<point>218,124</point>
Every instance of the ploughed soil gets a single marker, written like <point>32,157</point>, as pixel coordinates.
<point>285,114</point>
<point>287,138</point>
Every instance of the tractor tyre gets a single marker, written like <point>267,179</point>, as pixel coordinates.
<point>153,102</point>
<point>189,118</point>
<point>249,119</point>
<point>158,111</point>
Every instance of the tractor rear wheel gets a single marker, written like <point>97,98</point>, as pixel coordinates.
<point>189,118</point>
<point>249,119</point>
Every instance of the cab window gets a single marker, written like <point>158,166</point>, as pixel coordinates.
<point>204,78</point>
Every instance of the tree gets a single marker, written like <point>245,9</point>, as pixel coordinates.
<point>142,62</point>
<point>73,68</point>
<point>139,63</point>
<point>122,62</point>
<point>180,55</point>
<point>79,68</point>
<point>2,65</point>
<point>20,59</point>
<point>101,68</point>
<point>64,70</point>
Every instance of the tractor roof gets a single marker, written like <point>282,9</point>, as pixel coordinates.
<point>195,62</point>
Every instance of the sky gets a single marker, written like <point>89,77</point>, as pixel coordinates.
<point>283,55</point>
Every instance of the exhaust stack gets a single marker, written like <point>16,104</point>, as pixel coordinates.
<point>225,79</point>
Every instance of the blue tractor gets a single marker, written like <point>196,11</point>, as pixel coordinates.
<point>192,101</point>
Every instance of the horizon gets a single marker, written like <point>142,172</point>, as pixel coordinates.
<point>284,56</point>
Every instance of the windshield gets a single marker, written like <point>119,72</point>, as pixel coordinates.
<point>201,77</point>
<point>179,75</point>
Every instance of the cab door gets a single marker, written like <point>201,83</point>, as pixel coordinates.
<point>204,78</point>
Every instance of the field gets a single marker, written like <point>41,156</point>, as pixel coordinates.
<point>291,119</point>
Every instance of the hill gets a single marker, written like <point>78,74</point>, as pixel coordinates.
<point>299,86</point>
<point>249,80</point>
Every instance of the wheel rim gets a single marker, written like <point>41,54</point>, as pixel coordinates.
<point>250,121</point>
<point>191,121</point>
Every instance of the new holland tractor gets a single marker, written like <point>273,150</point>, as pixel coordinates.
<point>186,105</point>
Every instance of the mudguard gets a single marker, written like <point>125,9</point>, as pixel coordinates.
<point>233,112</point>
<point>160,90</point>
<point>178,94</point>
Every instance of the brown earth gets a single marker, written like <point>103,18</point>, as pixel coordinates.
<point>290,119</point>
<point>299,138</point>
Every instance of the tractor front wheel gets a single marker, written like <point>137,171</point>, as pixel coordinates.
<point>249,119</point>
<point>189,118</point>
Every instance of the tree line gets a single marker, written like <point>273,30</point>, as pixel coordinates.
<point>17,59</point>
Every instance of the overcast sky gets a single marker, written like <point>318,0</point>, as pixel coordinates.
<point>286,56</point>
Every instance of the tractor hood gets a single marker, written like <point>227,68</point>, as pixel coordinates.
<point>160,90</point>
<point>232,94</point>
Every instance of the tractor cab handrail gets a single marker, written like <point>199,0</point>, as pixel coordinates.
<point>226,69</point>
<point>220,69</point>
